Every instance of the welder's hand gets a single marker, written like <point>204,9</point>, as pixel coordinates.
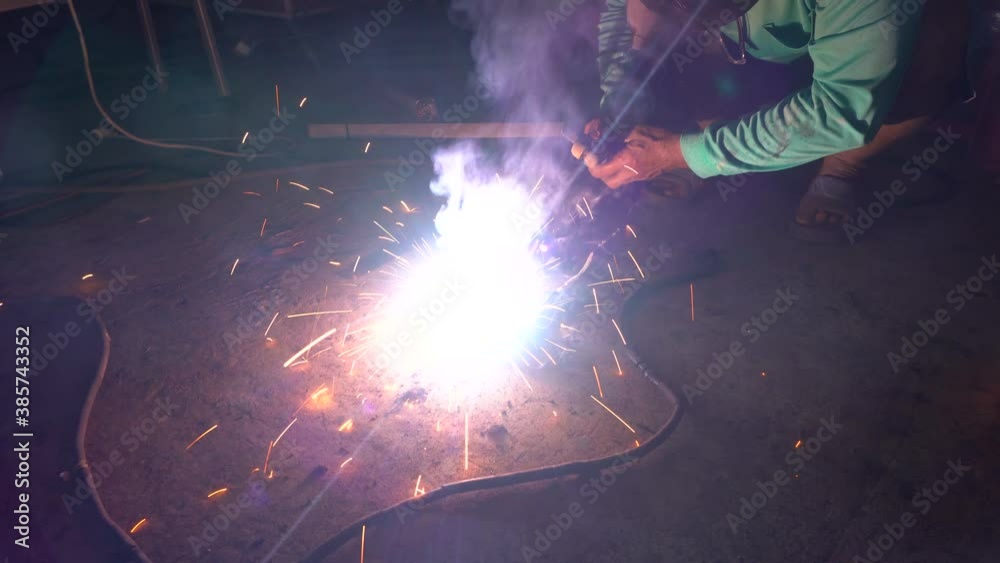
<point>648,152</point>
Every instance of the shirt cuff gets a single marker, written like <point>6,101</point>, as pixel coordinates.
<point>695,151</point>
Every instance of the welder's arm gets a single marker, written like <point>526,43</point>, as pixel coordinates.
<point>859,58</point>
<point>614,49</point>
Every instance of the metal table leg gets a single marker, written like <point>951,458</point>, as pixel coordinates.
<point>207,35</point>
<point>151,43</point>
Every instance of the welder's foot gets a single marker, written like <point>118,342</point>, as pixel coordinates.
<point>823,210</point>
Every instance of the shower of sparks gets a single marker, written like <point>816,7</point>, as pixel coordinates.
<point>234,266</point>
<point>620,419</point>
<point>303,102</point>
<point>692,302</point>
<point>138,525</point>
<point>278,439</point>
<point>87,277</point>
<point>298,185</point>
<point>245,135</point>
<point>368,146</point>
<point>309,346</point>
<point>317,314</point>
<point>637,267</point>
<point>203,434</point>
<point>600,390</point>
<point>221,491</point>
<point>617,363</point>
<point>614,322</point>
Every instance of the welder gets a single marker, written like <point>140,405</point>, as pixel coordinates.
<point>881,71</point>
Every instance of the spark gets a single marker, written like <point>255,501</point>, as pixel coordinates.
<point>368,146</point>
<point>278,439</point>
<point>617,363</point>
<point>267,458</point>
<point>551,359</point>
<point>203,434</point>
<point>234,266</point>
<point>262,227</point>
<point>137,525</point>
<point>561,347</point>
<point>523,378</point>
<point>276,184</point>
<point>586,203</point>
<point>347,426</point>
<point>319,392</point>
<point>277,100</point>
<point>597,304</point>
<point>298,243</point>
<point>417,491</point>
<point>386,232</point>
<point>567,327</point>
<point>387,208</point>
<point>321,188</point>
<point>221,491</point>
<point>307,204</point>
<point>632,170</point>
<point>406,207</point>
<point>466,440</point>
<point>401,260</point>
<point>611,281</point>
<point>355,270</point>
<point>271,323</point>
<point>316,314</point>
<point>763,374</point>
<point>245,135</point>
<point>600,391</point>
<point>346,461</point>
<point>303,102</point>
<point>362,543</point>
<point>631,231</point>
<point>252,193</point>
<point>309,346</point>
<point>298,185</point>
<point>799,443</point>
<point>538,183</point>
<point>613,414</point>
<point>692,302</point>
<point>87,277</point>
<point>614,322</point>
<point>636,262</point>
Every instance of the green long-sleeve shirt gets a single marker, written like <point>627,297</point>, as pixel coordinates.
<point>860,50</point>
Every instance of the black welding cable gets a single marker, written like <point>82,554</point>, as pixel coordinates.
<point>353,530</point>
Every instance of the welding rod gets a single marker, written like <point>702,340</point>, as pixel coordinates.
<point>522,130</point>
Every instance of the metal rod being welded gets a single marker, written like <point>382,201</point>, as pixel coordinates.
<point>435,130</point>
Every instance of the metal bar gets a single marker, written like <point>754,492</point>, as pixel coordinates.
<point>435,130</point>
<point>149,31</point>
<point>208,36</point>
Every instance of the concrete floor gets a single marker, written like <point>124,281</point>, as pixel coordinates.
<point>825,359</point>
